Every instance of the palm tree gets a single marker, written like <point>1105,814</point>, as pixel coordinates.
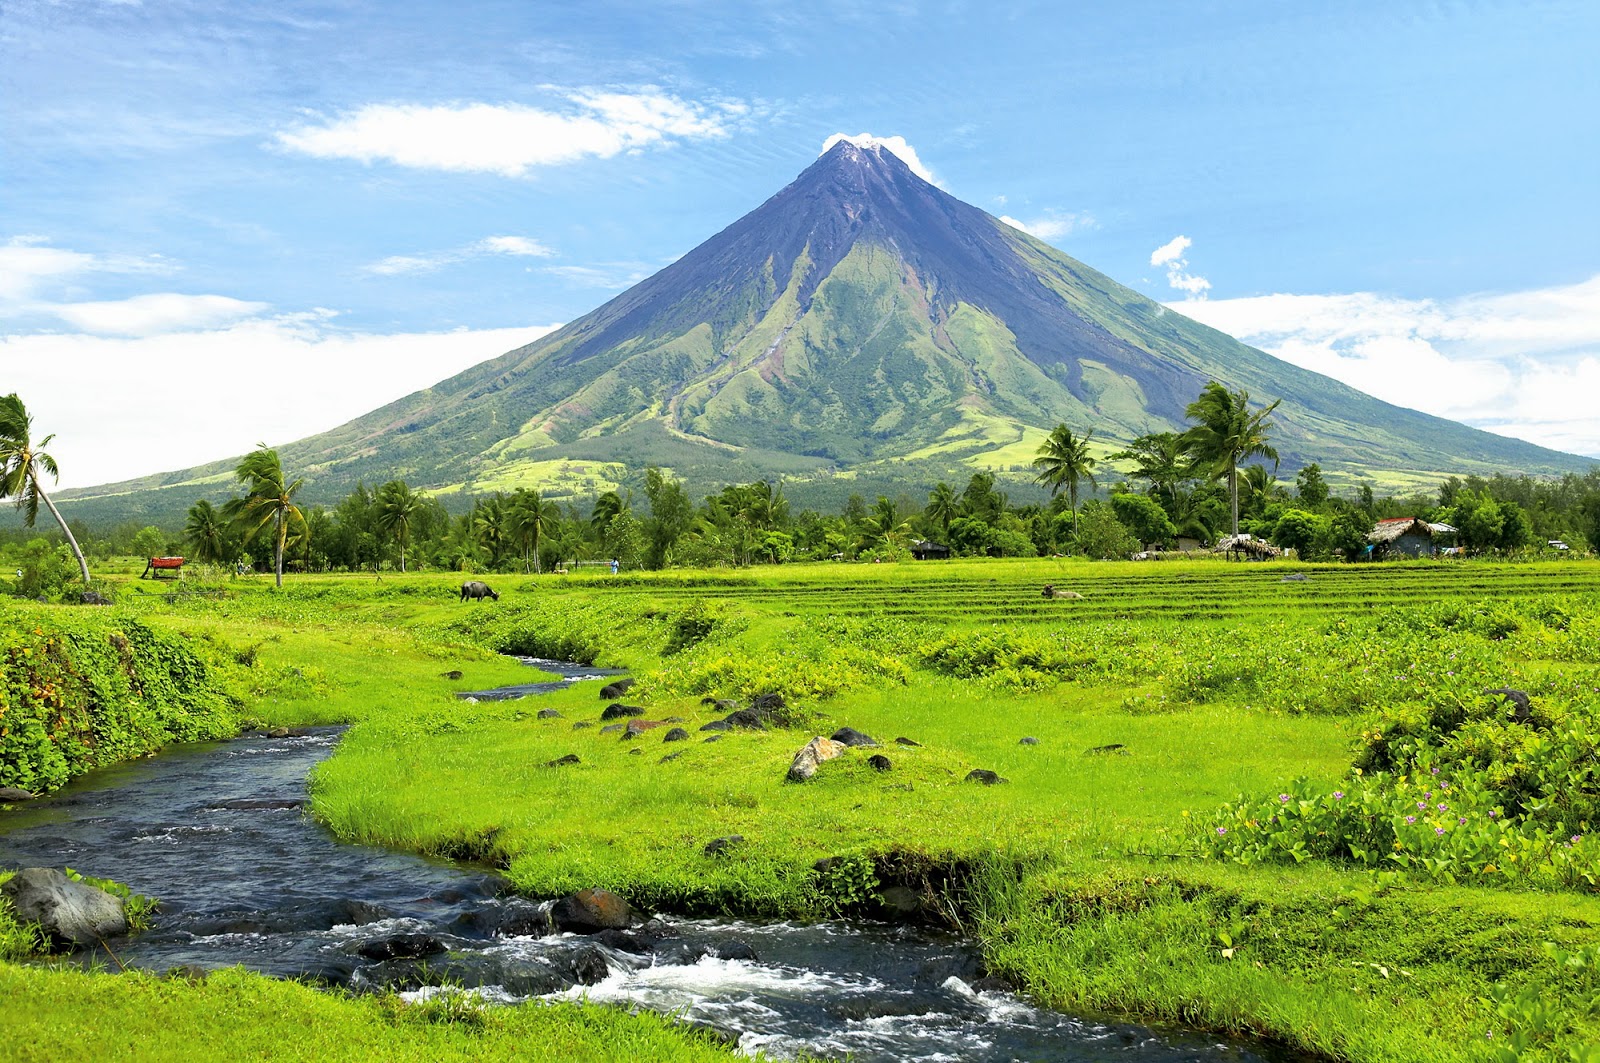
<point>885,525</point>
<point>606,509</point>
<point>1226,432</point>
<point>531,518</point>
<point>1063,460</point>
<point>207,532</point>
<point>20,462</point>
<point>395,506</point>
<point>491,525</point>
<point>943,506</point>
<point>268,497</point>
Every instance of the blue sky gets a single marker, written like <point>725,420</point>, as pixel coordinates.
<point>373,196</point>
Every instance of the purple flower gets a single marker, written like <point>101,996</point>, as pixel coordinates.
<point>1493,813</point>
<point>1443,807</point>
<point>1436,771</point>
<point>1411,819</point>
<point>1338,795</point>
<point>1438,830</point>
<point>1576,838</point>
<point>1222,830</point>
<point>1428,794</point>
<point>1462,822</point>
<point>1283,799</point>
<point>1422,804</point>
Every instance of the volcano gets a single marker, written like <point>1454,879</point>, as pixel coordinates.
<point>862,327</point>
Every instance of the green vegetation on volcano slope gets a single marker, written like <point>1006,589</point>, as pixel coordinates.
<point>1085,875</point>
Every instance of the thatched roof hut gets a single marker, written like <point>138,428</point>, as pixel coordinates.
<point>924,549</point>
<point>1405,536</point>
<point>1246,545</point>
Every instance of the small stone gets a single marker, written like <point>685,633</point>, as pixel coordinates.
<point>717,725</point>
<point>907,742</point>
<point>765,703</point>
<point>714,738</point>
<point>452,675</point>
<point>749,719</point>
<point>735,950</point>
<point>400,947</point>
<point>635,752</point>
<point>570,758</point>
<point>811,756</point>
<point>1099,751</point>
<point>984,776</point>
<point>10,795</point>
<point>581,724</point>
<point>611,728</point>
<point>617,710</point>
<point>548,714</point>
<point>1027,740</point>
<point>612,691</point>
<point>590,910</point>
<point>879,762</point>
<point>851,737</point>
<point>672,756</point>
<point>677,734</point>
<point>1521,706</point>
<point>720,845</point>
<point>673,719</point>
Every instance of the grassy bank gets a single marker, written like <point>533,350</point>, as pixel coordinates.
<point>1163,693</point>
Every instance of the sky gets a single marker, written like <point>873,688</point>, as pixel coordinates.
<point>224,224</point>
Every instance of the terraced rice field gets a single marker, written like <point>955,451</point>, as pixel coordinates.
<point>1002,592</point>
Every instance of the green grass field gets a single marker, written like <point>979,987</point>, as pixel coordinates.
<point>1087,876</point>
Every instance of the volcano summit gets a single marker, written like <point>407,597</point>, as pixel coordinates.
<point>861,321</point>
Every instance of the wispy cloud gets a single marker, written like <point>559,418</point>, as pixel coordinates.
<point>155,314</point>
<point>1052,225</point>
<point>28,264</point>
<point>511,139</point>
<point>1172,255</point>
<point>610,275</point>
<point>427,262</point>
<point>1525,364</point>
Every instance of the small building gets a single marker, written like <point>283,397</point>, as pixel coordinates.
<point>1246,546</point>
<point>924,550</point>
<point>1405,537</point>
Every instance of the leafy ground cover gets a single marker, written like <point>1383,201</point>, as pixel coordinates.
<point>1168,701</point>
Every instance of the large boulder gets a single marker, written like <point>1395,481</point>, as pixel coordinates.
<point>812,755</point>
<point>10,795</point>
<point>591,910</point>
<point>849,736</point>
<point>618,710</point>
<point>71,913</point>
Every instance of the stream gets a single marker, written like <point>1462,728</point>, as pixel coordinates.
<point>220,833</point>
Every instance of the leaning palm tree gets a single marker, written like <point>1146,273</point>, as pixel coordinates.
<point>207,532</point>
<point>1063,461</point>
<point>21,460</point>
<point>268,497</point>
<point>1226,432</point>
<point>395,506</point>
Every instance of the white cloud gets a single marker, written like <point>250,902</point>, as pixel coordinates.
<point>613,276</point>
<point>1525,364</point>
<point>510,139</point>
<point>427,262</point>
<point>28,263</point>
<point>153,314</point>
<point>895,145</point>
<point>1171,255</point>
<point>1170,251</point>
<point>1053,225</point>
<point>320,377</point>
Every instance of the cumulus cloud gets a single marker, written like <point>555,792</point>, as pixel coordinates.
<point>1525,364</point>
<point>1171,255</point>
<point>427,262</point>
<point>895,145</point>
<point>510,139</point>
<point>321,377</point>
<point>1052,225</point>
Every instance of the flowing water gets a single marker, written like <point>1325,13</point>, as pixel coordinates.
<point>219,832</point>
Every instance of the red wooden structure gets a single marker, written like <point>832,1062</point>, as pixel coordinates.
<point>163,568</point>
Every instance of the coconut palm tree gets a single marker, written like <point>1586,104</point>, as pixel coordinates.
<point>531,518</point>
<point>395,507</point>
<point>1063,461</point>
<point>21,461</point>
<point>885,526</point>
<point>207,532</point>
<point>1226,432</point>
<point>1162,459</point>
<point>268,497</point>
<point>944,506</point>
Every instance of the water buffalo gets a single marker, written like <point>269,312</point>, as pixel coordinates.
<point>476,589</point>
